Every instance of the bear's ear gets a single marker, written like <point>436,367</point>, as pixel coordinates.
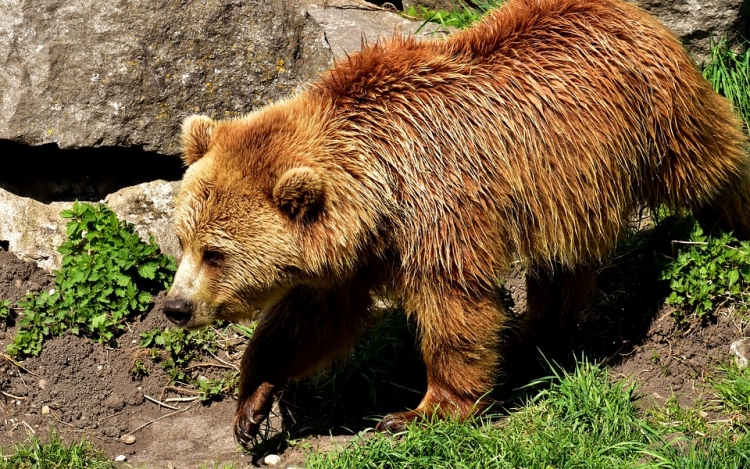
<point>196,137</point>
<point>299,192</point>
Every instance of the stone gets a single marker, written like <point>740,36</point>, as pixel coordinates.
<point>121,458</point>
<point>346,22</point>
<point>32,229</point>
<point>128,439</point>
<point>740,350</point>
<point>272,460</point>
<point>698,22</point>
<point>149,206</point>
<point>115,403</point>
<point>94,73</point>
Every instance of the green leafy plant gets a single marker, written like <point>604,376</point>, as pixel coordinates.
<point>709,273</point>
<point>176,349</point>
<point>107,275</point>
<point>4,309</point>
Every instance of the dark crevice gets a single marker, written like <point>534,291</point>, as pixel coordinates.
<point>5,245</point>
<point>48,174</point>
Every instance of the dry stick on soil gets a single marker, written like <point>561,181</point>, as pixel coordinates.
<point>157,419</point>
<point>223,362</point>
<point>155,401</point>
<point>2,355</point>
<point>206,365</point>
<point>12,396</point>
<point>181,399</point>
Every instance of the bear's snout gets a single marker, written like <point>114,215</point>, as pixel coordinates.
<point>178,310</point>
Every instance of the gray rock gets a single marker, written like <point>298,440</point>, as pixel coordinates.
<point>34,230</point>
<point>696,22</point>
<point>149,206</point>
<point>126,72</point>
<point>740,350</point>
<point>347,22</point>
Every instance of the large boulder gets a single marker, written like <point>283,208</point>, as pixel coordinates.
<point>33,230</point>
<point>124,73</point>
<point>699,22</point>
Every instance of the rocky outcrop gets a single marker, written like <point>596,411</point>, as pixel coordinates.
<point>699,22</point>
<point>34,230</point>
<point>124,73</point>
<point>347,23</point>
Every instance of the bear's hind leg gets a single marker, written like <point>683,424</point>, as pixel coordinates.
<point>459,338</point>
<point>305,331</point>
<point>555,298</point>
<point>730,209</point>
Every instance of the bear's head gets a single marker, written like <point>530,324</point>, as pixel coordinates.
<point>245,205</point>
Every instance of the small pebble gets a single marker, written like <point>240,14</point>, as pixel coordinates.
<point>128,439</point>
<point>272,460</point>
<point>121,458</point>
<point>45,409</point>
<point>43,383</point>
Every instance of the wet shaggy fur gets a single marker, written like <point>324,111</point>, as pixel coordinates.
<point>425,168</point>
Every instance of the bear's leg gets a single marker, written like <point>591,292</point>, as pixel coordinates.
<point>731,211</point>
<point>303,332</point>
<point>554,300</point>
<point>459,338</point>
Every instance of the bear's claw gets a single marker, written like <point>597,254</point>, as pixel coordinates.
<point>396,423</point>
<point>251,412</point>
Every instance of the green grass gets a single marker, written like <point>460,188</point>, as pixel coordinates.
<point>54,454</point>
<point>728,70</point>
<point>583,419</point>
<point>462,16</point>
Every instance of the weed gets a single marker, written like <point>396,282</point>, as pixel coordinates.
<point>107,275</point>
<point>4,310</point>
<point>711,272</point>
<point>176,349</point>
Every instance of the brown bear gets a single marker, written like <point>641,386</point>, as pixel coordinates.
<point>424,168</point>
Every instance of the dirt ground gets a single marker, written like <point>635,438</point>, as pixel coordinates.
<point>89,391</point>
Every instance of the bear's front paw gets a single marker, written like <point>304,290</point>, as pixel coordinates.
<point>246,424</point>
<point>396,423</point>
<point>251,412</point>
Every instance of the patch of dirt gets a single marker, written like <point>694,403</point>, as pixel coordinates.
<point>91,393</point>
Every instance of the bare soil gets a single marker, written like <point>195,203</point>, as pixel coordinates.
<point>90,391</point>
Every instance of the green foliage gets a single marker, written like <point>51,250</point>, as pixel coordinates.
<point>4,310</point>
<point>108,274</point>
<point>461,17</point>
<point>729,73</point>
<point>176,349</point>
<point>210,389</point>
<point>710,272</point>
<point>35,454</point>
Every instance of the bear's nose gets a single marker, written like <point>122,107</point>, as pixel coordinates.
<point>178,310</point>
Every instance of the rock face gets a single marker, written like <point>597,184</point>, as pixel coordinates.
<point>696,22</point>
<point>346,23</point>
<point>126,72</point>
<point>34,230</point>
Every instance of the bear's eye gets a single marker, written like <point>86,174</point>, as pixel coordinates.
<point>213,257</point>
